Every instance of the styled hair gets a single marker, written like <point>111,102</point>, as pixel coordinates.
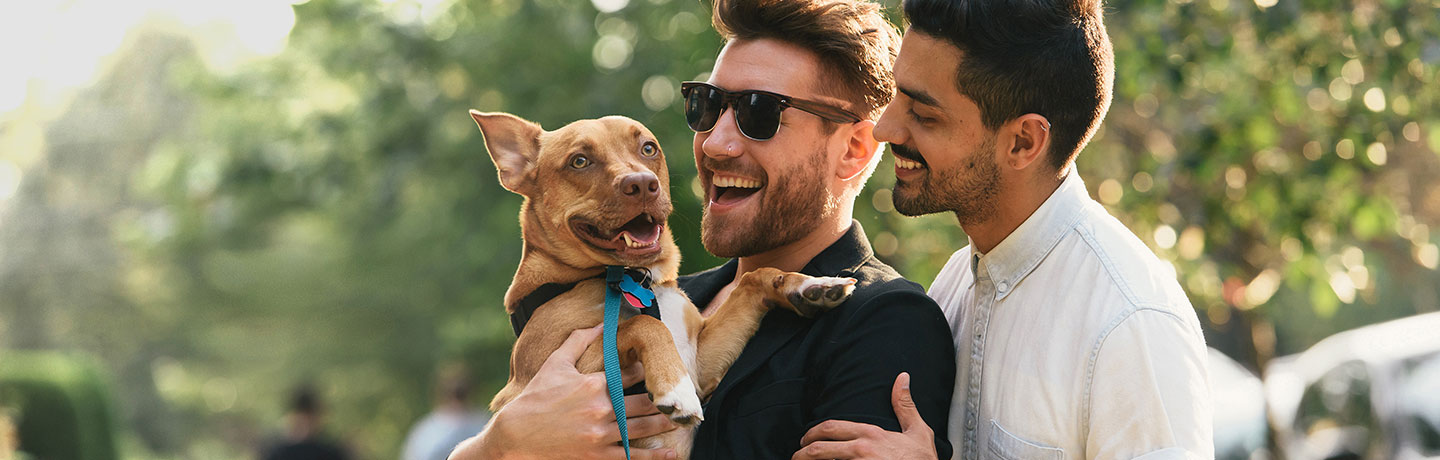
<point>1048,57</point>
<point>855,44</point>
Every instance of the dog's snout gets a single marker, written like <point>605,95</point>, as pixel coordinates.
<point>640,185</point>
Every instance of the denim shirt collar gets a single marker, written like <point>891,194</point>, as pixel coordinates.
<point>1018,254</point>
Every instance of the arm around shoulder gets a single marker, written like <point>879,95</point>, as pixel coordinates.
<point>894,332</point>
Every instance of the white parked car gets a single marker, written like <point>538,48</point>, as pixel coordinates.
<point>1367,393</point>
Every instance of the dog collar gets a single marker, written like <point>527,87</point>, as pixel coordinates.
<point>634,288</point>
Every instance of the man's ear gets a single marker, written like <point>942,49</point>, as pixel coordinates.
<point>1026,142</point>
<point>861,149</point>
<point>514,144</point>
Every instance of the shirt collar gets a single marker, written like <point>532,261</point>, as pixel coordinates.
<point>842,257</point>
<point>1019,253</point>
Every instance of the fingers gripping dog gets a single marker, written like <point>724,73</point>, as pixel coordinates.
<point>596,193</point>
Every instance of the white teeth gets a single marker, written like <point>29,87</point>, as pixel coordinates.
<point>907,164</point>
<point>736,182</point>
<point>630,241</point>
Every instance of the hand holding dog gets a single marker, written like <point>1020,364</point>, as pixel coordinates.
<point>565,414</point>
<point>841,439</point>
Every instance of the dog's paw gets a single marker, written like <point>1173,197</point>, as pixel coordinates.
<point>682,404</point>
<point>815,295</point>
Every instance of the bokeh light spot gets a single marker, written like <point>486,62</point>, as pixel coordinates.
<point>1340,90</point>
<point>1311,150</point>
<point>611,52</point>
<point>609,6</point>
<point>1345,149</point>
<point>1428,256</point>
<point>1165,237</point>
<point>1192,243</point>
<point>658,92</point>
<point>1411,131</point>
<point>1353,72</point>
<point>1110,191</point>
<point>1142,182</point>
<point>1375,99</point>
<point>1377,154</point>
<point>883,200</point>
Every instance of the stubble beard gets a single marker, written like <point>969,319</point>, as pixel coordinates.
<point>970,192</point>
<point>791,208</point>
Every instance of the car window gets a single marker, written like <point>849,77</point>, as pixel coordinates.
<point>1336,416</point>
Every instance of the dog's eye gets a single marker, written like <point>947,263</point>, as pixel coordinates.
<point>579,161</point>
<point>649,149</point>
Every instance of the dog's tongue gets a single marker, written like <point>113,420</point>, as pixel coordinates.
<point>642,229</point>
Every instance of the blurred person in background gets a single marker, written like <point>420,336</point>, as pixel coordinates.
<point>452,421</point>
<point>304,438</point>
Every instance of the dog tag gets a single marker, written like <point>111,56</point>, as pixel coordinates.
<point>637,295</point>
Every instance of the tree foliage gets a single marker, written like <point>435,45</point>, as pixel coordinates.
<point>330,214</point>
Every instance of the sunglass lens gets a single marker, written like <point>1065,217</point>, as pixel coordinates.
<point>758,116</point>
<point>702,108</point>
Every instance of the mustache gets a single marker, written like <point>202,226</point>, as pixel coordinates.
<point>907,153</point>
<point>733,166</point>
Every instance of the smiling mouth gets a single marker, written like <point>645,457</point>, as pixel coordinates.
<point>731,189</point>
<point>907,158</point>
<point>638,236</point>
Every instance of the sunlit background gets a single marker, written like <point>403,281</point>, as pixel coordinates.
<point>204,204</point>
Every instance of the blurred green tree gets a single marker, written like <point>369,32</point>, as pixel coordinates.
<point>330,214</point>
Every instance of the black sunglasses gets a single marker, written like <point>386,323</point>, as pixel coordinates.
<point>757,113</point>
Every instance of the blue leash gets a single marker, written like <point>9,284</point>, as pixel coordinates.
<point>613,275</point>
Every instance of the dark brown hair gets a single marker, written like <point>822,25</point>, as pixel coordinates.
<point>856,45</point>
<point>1048,57</point>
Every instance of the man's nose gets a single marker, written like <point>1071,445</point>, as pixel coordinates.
<point>640,185</point>
<point>888,129</point>
<point>724,140</point>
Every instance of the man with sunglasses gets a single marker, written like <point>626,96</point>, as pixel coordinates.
<point>1074,339</point>
<point>783,146</point>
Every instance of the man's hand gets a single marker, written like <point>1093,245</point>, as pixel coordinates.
<point>565,414</point>
<point>840,439</point>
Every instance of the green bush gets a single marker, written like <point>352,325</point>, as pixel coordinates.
<point>60,404</point>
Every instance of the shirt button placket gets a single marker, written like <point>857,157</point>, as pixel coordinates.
<point>977,358</point>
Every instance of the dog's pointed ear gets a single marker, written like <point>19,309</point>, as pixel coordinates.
<point>514,144</point>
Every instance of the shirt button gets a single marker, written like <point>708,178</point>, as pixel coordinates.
<point>1003,286</point>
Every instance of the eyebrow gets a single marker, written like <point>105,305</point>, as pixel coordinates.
<point>920,96</point>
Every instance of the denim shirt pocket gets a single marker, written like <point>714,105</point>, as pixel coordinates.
<point>1006,446</point>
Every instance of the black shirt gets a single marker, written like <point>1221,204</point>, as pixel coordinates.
<point>842,364</point>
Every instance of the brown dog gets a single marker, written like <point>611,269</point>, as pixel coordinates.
<point>597,194</point>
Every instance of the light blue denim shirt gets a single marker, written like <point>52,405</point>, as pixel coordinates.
<point>1073,341</point>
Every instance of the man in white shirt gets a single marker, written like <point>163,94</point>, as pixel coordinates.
<point>1073,340</point>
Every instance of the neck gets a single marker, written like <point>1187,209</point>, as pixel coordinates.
<point>793,256</point>
<point>539,266</point>
<point>1021,201</point>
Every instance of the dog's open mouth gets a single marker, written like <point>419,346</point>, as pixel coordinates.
<point>636,237</point>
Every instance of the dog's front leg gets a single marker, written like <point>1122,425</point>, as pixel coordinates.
<point>666,377</point>
<point>724,334</point>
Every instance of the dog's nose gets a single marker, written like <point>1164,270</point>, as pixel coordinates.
<point>640,185</point>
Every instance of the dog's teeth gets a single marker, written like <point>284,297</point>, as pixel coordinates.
<point>628,242</point>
